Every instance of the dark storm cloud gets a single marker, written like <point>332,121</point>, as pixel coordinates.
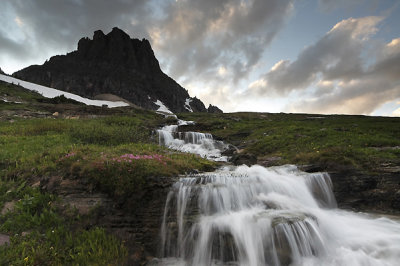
<point>9,46</point>
<point>60,23</point>
<point>193,37</point>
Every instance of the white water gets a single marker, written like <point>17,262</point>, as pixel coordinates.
<point>202,144</point>
<point>269,216</point>
<point>255,216</point>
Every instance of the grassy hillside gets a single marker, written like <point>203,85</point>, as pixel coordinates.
<point>360,141</point>
<point>115,150</point>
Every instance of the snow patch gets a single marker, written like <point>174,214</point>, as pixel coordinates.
<point>187,105</point>
<point>185,123</point>
<point>7,101</point>
<point>162,108</point>
<point>51,93</point>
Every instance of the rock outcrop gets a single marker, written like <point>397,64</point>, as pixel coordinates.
<point>1,71</point>
<point>113,64</point>
<point>136,220</point>
<point>213,109</point>
<point>361,191</point>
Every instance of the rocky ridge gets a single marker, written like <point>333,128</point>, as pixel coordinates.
<point>114,64</point>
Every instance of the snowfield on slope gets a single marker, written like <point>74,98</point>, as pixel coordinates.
<point>162,108</point>
<point>51,93</point>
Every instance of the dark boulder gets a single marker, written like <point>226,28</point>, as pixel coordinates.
<point>230,151</point>
<point>243,158</point>
<point>1,72</point>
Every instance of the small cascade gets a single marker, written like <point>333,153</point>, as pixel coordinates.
<point>202,144</point>
<point>253,216</point>
<point>321,186</point>
<point>269,216</point>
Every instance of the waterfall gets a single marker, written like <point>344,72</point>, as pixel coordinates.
<point>253,216</point>
<point>269,216</point>
<point>202,144</point>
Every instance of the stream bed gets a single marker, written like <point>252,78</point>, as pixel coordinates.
<point>241,215</point>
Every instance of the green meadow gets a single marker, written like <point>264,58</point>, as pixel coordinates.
<point>363,142</point>
<point>117,150</point>
<point>115,153</point>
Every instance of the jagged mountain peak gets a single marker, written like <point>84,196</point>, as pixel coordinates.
<point>118,48</point>
<point>113,63</point>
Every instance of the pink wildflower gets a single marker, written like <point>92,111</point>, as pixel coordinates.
<point>70,154</point>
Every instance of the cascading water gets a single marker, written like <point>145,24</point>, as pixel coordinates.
<point>202,144</point>
<point>269,216</point>
<point>265,216</point>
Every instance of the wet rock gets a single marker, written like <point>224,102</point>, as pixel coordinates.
<point>362,191</point>
<point>193,172</point>
<point>243,158</point>
<point>311,168</point>
<point>390,169</point>
<point>269,161</point>
<point>230,150</point>
<point>396,200</point>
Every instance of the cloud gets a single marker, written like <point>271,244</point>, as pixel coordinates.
<point>339,70</point>
<point>9,46</point>
<point>396,112</point>
<point>205,35</point>
<point>42,28</point>
<point>208,41</point>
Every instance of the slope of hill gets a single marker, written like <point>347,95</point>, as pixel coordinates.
<point>52,162</point>
<point>116,64</point>
<point>51,93</point>
<point>361,153</point>
<point>58,205</point>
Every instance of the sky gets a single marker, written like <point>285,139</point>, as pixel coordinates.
<point>304,56</point>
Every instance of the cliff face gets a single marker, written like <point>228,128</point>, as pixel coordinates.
<point>115,64</point>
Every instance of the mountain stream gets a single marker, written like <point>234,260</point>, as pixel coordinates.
<point>264,216</point>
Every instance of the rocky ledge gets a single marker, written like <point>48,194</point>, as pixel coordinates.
<point>361,191</point>
<point>136,220</point>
